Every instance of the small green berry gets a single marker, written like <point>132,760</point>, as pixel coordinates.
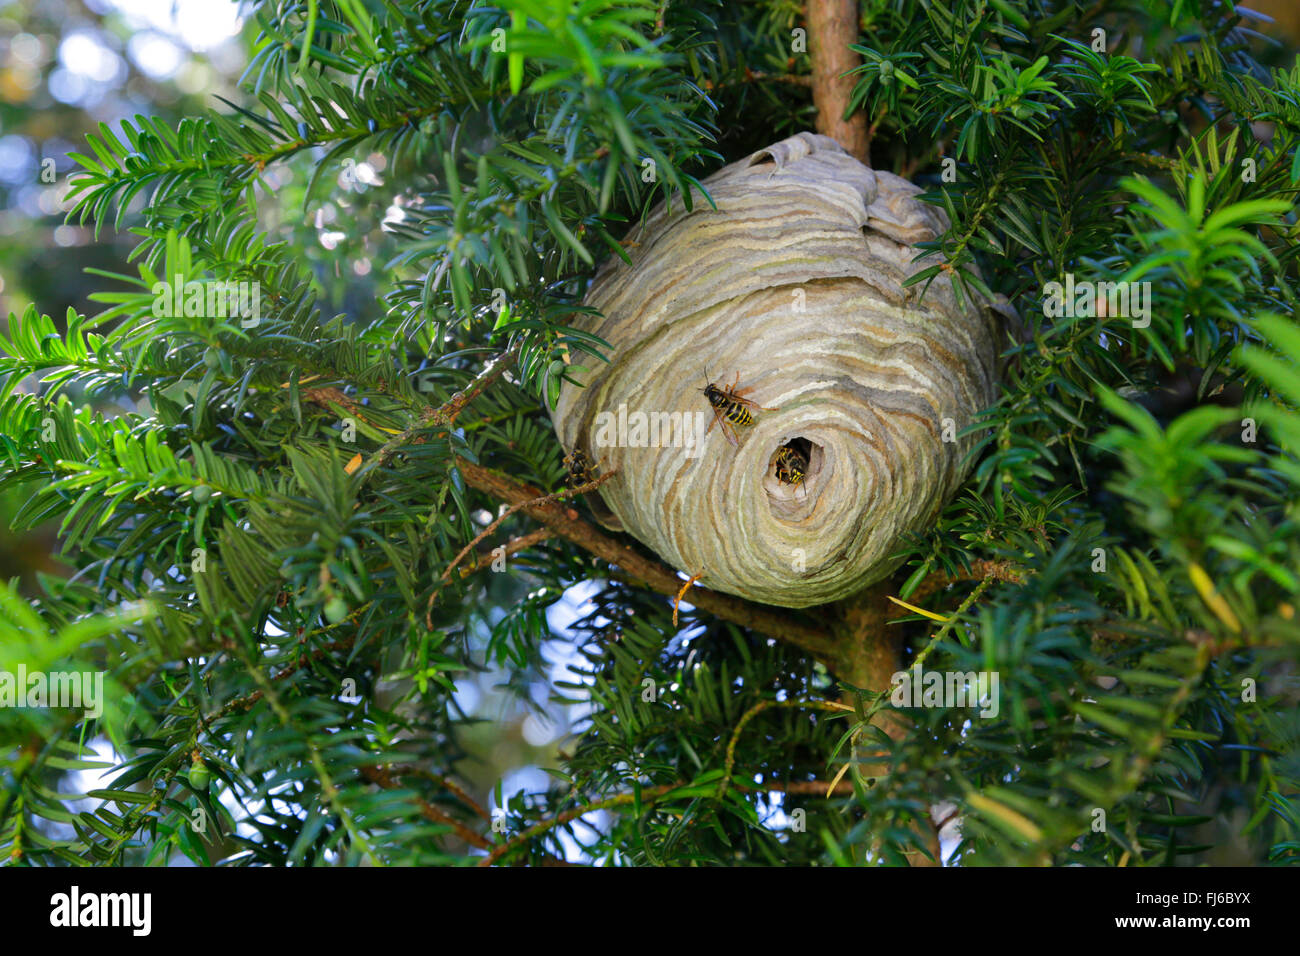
<point>336,609</point>
<point>200,775</point>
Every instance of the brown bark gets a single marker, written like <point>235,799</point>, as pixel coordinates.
<point>870,653</point>
<point>832,26</point>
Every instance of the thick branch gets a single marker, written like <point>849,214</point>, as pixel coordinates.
<point>871,653</point>
<point>653,574</point>
<point>832,26</point>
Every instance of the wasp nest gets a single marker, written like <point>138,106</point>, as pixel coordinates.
<point>838,393</point>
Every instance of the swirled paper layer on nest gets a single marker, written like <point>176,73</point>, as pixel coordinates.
<point>793,288</point>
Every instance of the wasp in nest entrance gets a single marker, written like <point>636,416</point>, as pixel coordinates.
<point>791,464</point>
<point>730,407</point>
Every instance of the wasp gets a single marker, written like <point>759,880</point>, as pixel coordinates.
<point>791,466</point>
<point>729,407</point>
<point>581,470</point>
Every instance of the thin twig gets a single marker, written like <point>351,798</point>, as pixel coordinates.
<point>380,777</point>
<point>682,593</point>
<point>753,712</point>
<point>952,620</point>
<point>491,372</point>
<point>554,496</point>
<point>513,546</point>
<point>457,791</point>
<point>451,786</point>
<point>979,570</point>
<point>444,415</point>
<point>248,700</point>
<point>519,506</point>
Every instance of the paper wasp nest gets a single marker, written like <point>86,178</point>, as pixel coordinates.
<point>792,289</point>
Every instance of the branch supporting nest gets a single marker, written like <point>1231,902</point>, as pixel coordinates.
<point>653,574</point>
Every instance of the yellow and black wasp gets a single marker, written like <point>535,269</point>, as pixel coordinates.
<point>581,472</point>
<point>580,469</point>
<point>729,407</point>
<point>791,465</point>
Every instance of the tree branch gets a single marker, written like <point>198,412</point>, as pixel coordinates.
<point>557,496</point>
<point>653,574</point>
<point>872,652</point>
<point>380,778</point>
<point>980,570</point>
<point>832,27</point>
<point>513,546</point>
